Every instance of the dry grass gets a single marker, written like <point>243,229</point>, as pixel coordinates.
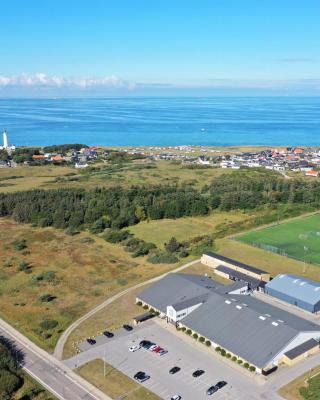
<point>271,262</point>
<point>115,384</point>
<point>86,274</point>
<point>160,231</point>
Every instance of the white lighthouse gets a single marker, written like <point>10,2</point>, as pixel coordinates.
<point>5,140</point>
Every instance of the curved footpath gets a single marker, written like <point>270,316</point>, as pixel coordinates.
<point>58,351</point>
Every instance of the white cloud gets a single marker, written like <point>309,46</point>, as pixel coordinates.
<point>53,81</point>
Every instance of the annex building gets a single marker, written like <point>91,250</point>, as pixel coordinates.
<point>296,290</point>
<point>254,331</point>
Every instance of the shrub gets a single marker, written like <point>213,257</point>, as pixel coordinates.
<point>144,249</point>
<point>8,263</point>
<point>139,303</point>
<point>172,246</point>
<point>239,361</point>
<point>20,244</point>
<point>228,355</point>
<point>189,331</point>
<point>152,310</point>
<point>208,343</point>
<point>157,313</point>
<point>161,257</point>
<point>116,236</point>
<point>195,336</point>
<point>46,298</point>
<point>183,329</point>
<point>48,276</point>
<point>183,253</point>
<point>223,352</point>
<point>9,384</point>
<point>87,239</point>
<point>246,365</point>
<point>218,349</point>
<point>48,324</point>
<point>24,266</point>
<point>234,358</point>
<point>202,339</point>
<point>146,307</point>
<point>252,368</point>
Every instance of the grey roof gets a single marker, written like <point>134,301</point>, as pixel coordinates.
<point>225,289</point>
<point>301,349</point>
<point>176,288</point>
<point>254,283</point>
<point>190,302</point>
<point>297,287</point>
<point>247,327</point>
<point>235,262</point>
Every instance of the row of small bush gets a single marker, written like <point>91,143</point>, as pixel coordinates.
<point>224,353</point>
<point>201,339</point>
<point>146,307</point>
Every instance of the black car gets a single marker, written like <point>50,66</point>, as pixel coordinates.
<point>221,384</point>
<point>197,373</point>
<point>108,334</point>
<point>174,370</point>
<point>127,327</point>
<point>211,390</point>
<point>91,341</point>
<point>144,343</point>
<point>141,376</point>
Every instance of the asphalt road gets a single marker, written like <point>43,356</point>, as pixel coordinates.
<point>49,372</point>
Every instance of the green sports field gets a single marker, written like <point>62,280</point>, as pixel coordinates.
<point>299,239</point>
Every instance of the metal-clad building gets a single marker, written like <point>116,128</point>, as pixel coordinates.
<point>296,290</point>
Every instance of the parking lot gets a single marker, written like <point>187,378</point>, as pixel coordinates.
<point>180,353</point>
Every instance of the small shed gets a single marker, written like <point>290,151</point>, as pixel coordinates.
<point>299,353</point>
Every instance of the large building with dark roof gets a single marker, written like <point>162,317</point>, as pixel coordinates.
<point>296,290</point>
<point>254,331</point>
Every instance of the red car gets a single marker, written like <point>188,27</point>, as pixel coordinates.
<point>157,349</point>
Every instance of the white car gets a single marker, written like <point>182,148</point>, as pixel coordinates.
<point>176,397</point>
<point>134,348</point>
<point>154,346</point>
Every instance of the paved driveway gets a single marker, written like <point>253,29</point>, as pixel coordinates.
<point>181,353</point>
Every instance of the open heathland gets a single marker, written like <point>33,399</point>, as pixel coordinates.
<point>298,238</point>
<point>48,279</point>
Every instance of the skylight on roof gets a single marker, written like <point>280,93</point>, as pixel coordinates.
<point>239,307</point>
<point>302,283</point>
<point>267,315</point>
<point>274,323</point>
<point>228,301</point>
<point>262,317</point>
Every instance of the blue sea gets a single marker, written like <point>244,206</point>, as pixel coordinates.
<point>163,121</point>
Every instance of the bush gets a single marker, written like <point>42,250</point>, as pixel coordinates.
<point>208,343</point>
<point>195,336</point>
<point>24,266</point>
<point>246,365</point>
<point>228,355</point>
<point>252,368</point>
<point>48,324</point>
<point>146,307</point>
<point>116,236</point>
<point>234,358</point>
<point>46,298</point>
<point>223,352</point>
<point>144,249</point>
<point>239,361</point>
<point>162,257</point>
<point>218,349</point>
<point>172,246</point>
<point>48,276</point>
<point>9,384</point>
<point>139,303</point>
<point>183,329</point>
<point>20,244</point>
<point>188,331</point>
<point>152,310</point>
<point>202,339</point>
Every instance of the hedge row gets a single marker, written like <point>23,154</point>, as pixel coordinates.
<point>224,353</point>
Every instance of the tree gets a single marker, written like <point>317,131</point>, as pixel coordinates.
<point>173,245</point>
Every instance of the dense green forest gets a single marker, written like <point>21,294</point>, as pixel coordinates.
<point>119,207</point>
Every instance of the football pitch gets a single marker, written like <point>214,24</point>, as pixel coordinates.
<point>299,239</point>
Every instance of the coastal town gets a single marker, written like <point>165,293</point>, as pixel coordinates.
<point>280,159</point>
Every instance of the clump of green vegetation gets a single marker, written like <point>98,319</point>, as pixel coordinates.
<point>48,324</point>
<point>20,244</point>
<point>162,257</point>
<point>116,235</point>
<point>47,298</point>
<point>10,377</point>
<point>48,276</point>
<point>24,266</point>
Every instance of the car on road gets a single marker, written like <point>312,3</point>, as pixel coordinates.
<point>211,390</point>
<point>221,384</point>
<point>127,327</point>
<point>176,397</point>
<point>174,370</point>
<point>198,373</point>
<point>134,348</point>
<point>91,341</point>
<point>141,376</point>
<point>108,334</point>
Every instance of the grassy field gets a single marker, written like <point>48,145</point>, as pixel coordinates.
<point>115,384</point>
<point>160,231</point>
<point>271,262</point>
<point>298,238</point>
<point>291,391</point>
<point>78,272</point>
<point>104,175</point>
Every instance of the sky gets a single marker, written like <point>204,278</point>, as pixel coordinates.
<point>152,47</point>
